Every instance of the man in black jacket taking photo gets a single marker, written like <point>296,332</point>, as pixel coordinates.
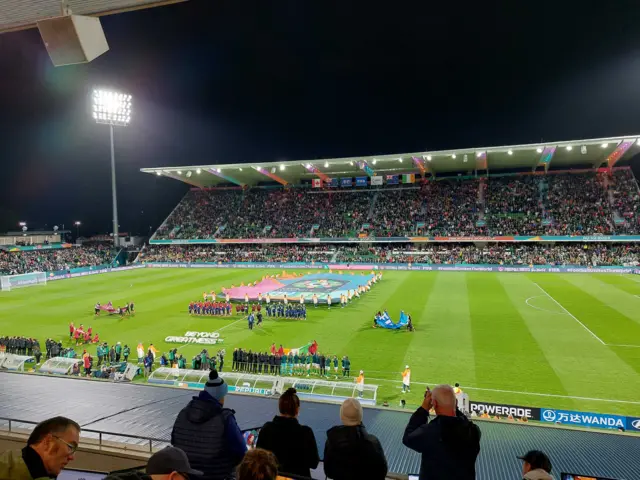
<point>449,443</point>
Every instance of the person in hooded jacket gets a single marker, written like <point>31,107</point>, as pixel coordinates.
<point>350,452</point>
<point>536,466</point>
<point>294,445</point>
<point>208,433</point>
<point>449,444</point>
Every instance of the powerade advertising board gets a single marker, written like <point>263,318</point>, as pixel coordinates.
<point>504,410</point>
<point>582,419</point>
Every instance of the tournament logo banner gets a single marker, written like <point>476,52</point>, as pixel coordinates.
<point>202,338</point>
<point>504,410</point>
<point>376,180</point>
<point>633,424</point>
<point>332,182</point>
<point>583,419</point>
<point>346,182</point>
<point>361,181</point>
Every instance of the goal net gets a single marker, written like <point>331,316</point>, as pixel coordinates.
<point>7,282</point>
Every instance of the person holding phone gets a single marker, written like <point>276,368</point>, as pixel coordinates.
<point>449,444</point>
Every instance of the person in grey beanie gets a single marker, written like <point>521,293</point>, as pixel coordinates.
<point>208,433</point>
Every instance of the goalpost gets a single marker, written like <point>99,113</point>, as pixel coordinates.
<point>7,282</point>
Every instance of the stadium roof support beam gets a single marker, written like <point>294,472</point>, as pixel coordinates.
<point>364,166</point>
<point>271,175</point>
<point>619,152</point>
<point>481,161</point>
<point>424,169</point>
<point>545,158</point>
<point>313,169</point>
<point>218,173</point>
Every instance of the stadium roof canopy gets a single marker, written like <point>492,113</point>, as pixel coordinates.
<point>591,153</point>
<point>21,14</point>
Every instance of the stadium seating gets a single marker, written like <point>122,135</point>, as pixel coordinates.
<point>558,204</point>
<point>12,263</point>
<point>592,254</point>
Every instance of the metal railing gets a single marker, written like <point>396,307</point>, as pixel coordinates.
<point>16,426</point>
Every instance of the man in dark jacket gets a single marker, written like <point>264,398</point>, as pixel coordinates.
<point>208,433</point>
<point>449,444</point>
<point>350,452</point>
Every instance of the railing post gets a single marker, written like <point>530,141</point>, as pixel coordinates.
<point>150,446</point>
<point>9,425</point>
<point>100,439</point>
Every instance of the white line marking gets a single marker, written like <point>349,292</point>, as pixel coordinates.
<point>628,346</point>
<point>541,309</point>
<point>553,395</point>
<point>570,314</point>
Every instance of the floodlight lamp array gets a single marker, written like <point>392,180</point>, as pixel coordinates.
<point>112,108</point>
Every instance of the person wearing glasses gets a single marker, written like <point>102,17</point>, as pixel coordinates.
<point>50,447</point>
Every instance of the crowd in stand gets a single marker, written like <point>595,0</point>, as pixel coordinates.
<point>21,346</point>
<point>13,263</point>
<point>588,254</point>
<point>555,204</point>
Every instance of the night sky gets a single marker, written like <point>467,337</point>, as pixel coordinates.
<point>218,81</point>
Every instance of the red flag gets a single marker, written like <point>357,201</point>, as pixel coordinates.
<point>316,183</point>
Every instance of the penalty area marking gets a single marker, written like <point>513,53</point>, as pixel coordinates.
<point>542,309</point>
<point>551,395</point>
<point>570,314</point>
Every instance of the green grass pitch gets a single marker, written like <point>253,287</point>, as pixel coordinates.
<point>548,340</point>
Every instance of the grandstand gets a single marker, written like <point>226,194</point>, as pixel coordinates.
<point>560,192</point>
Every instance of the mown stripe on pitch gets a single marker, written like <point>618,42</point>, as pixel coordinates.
<point>564,341</point>
<point>595,311</point>
<point>505,351</point>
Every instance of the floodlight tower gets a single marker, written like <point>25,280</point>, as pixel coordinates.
<point>113,109</point>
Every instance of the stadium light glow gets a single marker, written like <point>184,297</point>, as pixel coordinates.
<point>510,152</point>
<point>23,224</point>
<point>111,108</point>
<point>326,164</point>
<point>114,109</point>
<point>189,174</point>
<point>198,171</point>
<point>479,154</point>
<point>638,142</point>
<point>569,147</point>
<point>428,158</point>
<point>400,160</point>
<point>604,145</point>
<point>179,172</point>
<point>282,167</point>
<point>351,163</point>
<point>219,169</point>
<point>374,161</point>
<point>453,155</point>
<point>240,169</point>
<point>539,149</point>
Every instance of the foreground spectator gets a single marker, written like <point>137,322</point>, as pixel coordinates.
<point>208,433</point>
<point>258,464</point>
<point>168,464</point>
<point>350,452</point>
<point>449,444</point>
<point>294,445</point>
<point>536,466</point>
<point>50,447</point>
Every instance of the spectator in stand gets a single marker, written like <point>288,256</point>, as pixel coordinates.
<point>170,463</point>
<point>536,466</point>
<point>50,447</point>
<point>208,433</point>
<point>13,263</point>
<point>258,464</point>
<point>449,444</point>
<point>294,445</point>
<point>350,452</point>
